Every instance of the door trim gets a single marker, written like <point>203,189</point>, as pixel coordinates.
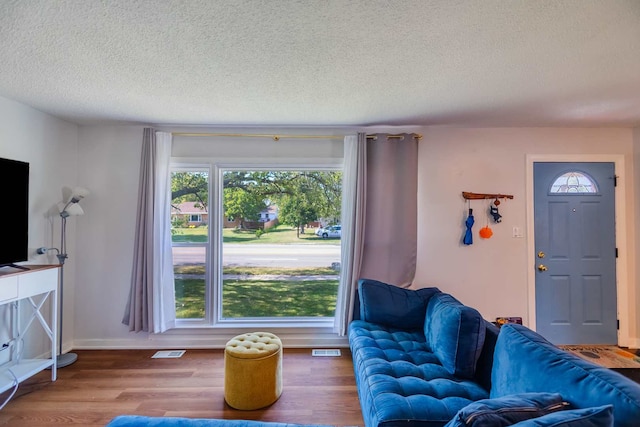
<point>622,284</point>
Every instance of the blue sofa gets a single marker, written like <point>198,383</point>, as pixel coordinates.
<point>423,359</point>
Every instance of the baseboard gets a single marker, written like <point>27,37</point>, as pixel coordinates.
<point>633,343</point>
<point>173,341</point>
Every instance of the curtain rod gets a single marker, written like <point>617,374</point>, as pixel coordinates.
<point>279,137</point>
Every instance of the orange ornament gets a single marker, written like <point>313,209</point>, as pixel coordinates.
<point>486,232</point>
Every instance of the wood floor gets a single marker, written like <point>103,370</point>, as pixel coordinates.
<point>103,384</point>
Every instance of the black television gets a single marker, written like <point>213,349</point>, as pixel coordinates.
<point>14,217</point>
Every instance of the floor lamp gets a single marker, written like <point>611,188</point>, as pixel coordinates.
<point>70,208</point>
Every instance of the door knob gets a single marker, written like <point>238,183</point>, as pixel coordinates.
<point>542,267</point>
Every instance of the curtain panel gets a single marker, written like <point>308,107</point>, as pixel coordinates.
<point>353,205</point>
<point>151,304</point>
<point>379,215</point>
<point>390,237</point>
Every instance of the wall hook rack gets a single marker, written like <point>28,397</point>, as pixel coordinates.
<point>480,196</point>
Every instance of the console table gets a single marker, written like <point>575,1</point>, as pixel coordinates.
<point>32,289</point>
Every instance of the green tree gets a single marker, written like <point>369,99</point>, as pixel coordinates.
<point>296,210</point>
<point>190,187</point>
<point>242,204</point>
<point>245,190</point>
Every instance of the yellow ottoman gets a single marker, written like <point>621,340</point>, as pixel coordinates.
<point>252,370</point>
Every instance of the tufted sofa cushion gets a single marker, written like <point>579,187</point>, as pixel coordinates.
<point>455,333</point>
<point>402,382</point>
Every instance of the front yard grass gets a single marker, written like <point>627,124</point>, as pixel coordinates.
<point>260,298</point>
<point>259,271</point>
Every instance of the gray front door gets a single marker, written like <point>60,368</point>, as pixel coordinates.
<point>574,209</point>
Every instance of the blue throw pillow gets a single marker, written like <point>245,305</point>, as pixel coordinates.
<point>390,305</point>
<point>507,410</point>
<point>601,416</point>
<point>455,334</point>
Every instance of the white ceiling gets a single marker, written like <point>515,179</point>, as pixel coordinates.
<point>325,62</point>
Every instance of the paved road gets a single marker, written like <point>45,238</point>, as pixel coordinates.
<point>262,255</point>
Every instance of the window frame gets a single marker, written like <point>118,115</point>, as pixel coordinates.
<point>206,320</point>
<point>214,246</point>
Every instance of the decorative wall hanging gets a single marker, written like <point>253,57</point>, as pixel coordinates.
<point>493,211</point>
<point>485,232</point>
<point>468,235</point>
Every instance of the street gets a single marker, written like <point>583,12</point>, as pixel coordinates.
<point>263,255</point>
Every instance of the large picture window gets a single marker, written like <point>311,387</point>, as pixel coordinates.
<point>267,248</point>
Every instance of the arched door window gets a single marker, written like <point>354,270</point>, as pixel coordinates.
<point>574,182</point>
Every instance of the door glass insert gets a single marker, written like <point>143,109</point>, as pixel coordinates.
<point>574,182</point>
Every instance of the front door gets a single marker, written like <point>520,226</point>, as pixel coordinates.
<point>574,215</point>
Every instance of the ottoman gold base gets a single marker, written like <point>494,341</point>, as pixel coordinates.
<point>252,370</point>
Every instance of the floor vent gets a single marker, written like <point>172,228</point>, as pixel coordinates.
<point>168,354</point>
<point>328,352</point>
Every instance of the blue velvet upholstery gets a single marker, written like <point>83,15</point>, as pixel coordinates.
<point>401,382</point>
<point>601,416</point>
<point>393,306</point>
<point>525,362</point>
<point>140,421</point>
<point>455,333</point>
<point>485,361</point>
<point>508,410</point>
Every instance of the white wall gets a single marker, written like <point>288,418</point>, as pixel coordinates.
<point>491,275</point>
<point>50,146</point>
<point>109,166</point>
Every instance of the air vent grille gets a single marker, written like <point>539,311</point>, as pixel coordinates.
<point>326,352</point>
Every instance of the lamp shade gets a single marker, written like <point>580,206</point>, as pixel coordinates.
<point>70,209</point>
<point>78,194</point>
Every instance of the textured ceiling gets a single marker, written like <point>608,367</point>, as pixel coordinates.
<point>325,63</point>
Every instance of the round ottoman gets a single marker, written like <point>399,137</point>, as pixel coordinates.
<point>252,370</point>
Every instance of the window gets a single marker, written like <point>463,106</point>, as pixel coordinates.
<point>573,182</point>
<point>262,260</point>
<point>279,268</point>
<point>190,245</point>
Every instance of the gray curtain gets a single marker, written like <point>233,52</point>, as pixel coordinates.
<point>390,239</point>
<point>151,304</point>
<point>379,215</point>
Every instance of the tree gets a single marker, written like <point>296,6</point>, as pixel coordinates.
<point>297,211</point>
<point>190,187</point>
<point>242,204</point>
<point>311,193</point>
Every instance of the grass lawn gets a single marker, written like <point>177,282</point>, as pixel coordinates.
<point>260,298</point>
<point>281,234</point>
<point>257,271</point>
<point>255,297</point>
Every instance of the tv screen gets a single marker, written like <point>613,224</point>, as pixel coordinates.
<point>14,217</point>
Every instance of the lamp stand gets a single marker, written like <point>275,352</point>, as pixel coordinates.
<point>67,359</point>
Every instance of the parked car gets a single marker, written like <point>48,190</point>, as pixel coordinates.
<point>334,231</point>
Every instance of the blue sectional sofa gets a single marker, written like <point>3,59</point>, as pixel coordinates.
<point>423,359</point>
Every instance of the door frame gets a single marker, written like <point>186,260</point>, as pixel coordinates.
<point>622,284</point>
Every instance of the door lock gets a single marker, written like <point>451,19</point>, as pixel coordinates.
<point>542,267</point>
<point>541,254</point>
